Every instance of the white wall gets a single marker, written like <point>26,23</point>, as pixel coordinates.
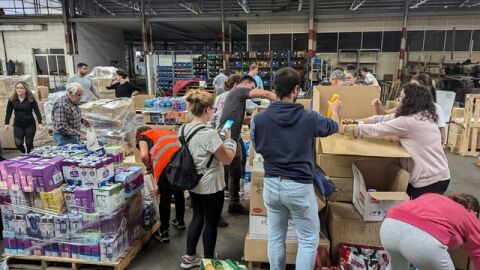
<point>99,45</point>
<point>19,45</point>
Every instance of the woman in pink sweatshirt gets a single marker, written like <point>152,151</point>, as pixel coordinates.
<point>422,231</point>
<point>414,123</point>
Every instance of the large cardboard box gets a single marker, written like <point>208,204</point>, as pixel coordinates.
<point>345,225</point>
<point>101,84</point>
<point>139,101</point>
<point>344,190</point>
<point>257,207</point>
<point>355,100</point>
<point>43,92</point>
<point>376,189</point>
<point>341,165</point>
<point>256,250</point>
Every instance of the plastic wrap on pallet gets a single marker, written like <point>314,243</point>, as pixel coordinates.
<point>103,72</point>
<point>112,120</point>
<point>48,106</point>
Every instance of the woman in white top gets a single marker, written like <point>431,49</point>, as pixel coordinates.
<point>425,80</point>
<point>209,154</point>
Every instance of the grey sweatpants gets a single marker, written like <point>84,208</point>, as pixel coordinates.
<point>406,244</point>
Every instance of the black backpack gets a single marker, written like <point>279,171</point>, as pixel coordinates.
<point>180,171</point>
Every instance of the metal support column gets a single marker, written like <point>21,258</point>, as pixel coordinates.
<point>223,37</point>
<point>147,50</point>
<point>67,28</point>
<point>312,31</point>
<point>403,43</point>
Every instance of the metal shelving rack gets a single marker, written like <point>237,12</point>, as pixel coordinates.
<point>358,58</point>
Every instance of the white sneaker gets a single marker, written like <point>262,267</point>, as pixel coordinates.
<point>191,262</point>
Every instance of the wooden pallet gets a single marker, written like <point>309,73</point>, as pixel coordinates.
<point>471,125</point>
<point>17,262</point>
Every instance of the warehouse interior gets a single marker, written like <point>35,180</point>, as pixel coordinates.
<point>167,49</point>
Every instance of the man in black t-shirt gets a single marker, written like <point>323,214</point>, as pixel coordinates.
<point>234,109</point>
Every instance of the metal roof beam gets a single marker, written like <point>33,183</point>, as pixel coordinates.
<point>178,32</point>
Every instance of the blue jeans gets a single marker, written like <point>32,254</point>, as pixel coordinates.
<point>65,139</point>
<point>282,197</point>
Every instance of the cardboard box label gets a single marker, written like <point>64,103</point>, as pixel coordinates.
<point>258,228</point>
<point>376,189</point>
<point>344,190</point>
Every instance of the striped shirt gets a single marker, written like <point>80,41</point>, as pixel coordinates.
<point>66,117</point>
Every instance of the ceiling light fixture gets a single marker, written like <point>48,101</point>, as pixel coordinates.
<point>464,3</point>
<point>244,5</point>
<point>355,5</point>
<point>419,3</point>
<point>300,2</point>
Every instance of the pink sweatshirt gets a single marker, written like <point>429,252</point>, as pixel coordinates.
<point>428,163</point>
<point>444,219</point>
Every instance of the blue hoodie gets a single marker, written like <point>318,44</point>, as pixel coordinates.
<point>283,134</point>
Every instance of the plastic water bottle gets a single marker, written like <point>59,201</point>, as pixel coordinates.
<point>168,104</point>
<point>174,104</point>
<point>162,105</point>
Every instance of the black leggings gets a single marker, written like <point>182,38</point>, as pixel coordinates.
<point>438,187</point>
<point>206,211</point>
<point>166,194</point>
<point>25,134</point>
<point>233,173</point>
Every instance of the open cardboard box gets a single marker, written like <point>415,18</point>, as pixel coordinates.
<point>345,225</point>
<point>389,182</point>
<point>355,105</point>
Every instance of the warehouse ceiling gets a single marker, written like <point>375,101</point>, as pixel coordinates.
<point>271,7</point>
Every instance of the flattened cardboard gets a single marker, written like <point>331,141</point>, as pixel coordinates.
<point>344,190</point>
<point>255,250</point>
<point>389,182</point>
<point>341,165</point>
<point>346,145</point>
<point>356,100</point>
<point>346,226</point>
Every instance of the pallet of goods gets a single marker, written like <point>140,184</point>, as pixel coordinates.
<point>165,111</point>
<point>113,122</point>
<point>68,206</point>
<point>464,128</point>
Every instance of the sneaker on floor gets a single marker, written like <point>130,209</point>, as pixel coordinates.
<point>237,208</point>
<point>189,262</point>
<point>179,224</point>
<point>222,223</point>
<point>162,237</point>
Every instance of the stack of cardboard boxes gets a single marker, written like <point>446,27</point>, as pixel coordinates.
<point>256,240</point>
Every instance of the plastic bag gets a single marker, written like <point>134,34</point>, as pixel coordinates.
<point>92,141</point>
<point>353,256</point>
<point>151,193</point>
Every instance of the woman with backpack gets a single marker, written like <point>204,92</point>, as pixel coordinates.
<point>209,154</point>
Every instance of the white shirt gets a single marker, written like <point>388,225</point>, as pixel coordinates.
<point>370,79</point>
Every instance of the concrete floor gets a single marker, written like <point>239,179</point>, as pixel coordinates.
<point>154,256</point>
<point>465,179</point>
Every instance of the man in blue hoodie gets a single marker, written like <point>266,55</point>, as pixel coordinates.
<point>284,135</point>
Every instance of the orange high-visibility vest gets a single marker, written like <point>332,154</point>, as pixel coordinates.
<point>165,145</point>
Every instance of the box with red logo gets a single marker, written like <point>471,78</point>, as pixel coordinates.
<point>376,189</point>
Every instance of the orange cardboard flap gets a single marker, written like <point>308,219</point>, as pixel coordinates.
<point>345,145</point>
<point>356,100</point>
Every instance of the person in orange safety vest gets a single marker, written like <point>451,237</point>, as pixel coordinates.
<point>156,149</point>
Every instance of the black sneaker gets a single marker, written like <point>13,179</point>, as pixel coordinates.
<point>189,262</point>
<point>162,237</point>
<point>179,224</point>
<point>222,223</point>
<point>237,208</point>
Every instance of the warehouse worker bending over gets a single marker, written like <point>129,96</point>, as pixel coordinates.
<point>234,109</point>
<point>67,118</point>
<point>156,149</point>
<point>87,84</point>
<point>284,135</point>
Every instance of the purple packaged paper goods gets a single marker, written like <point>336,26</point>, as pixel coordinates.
<point>84,199</point>
<point>13,175</point>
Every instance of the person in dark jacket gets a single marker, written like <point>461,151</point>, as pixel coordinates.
<point>289,169</point>
<point>23,103</point>
<point>123,88</point>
